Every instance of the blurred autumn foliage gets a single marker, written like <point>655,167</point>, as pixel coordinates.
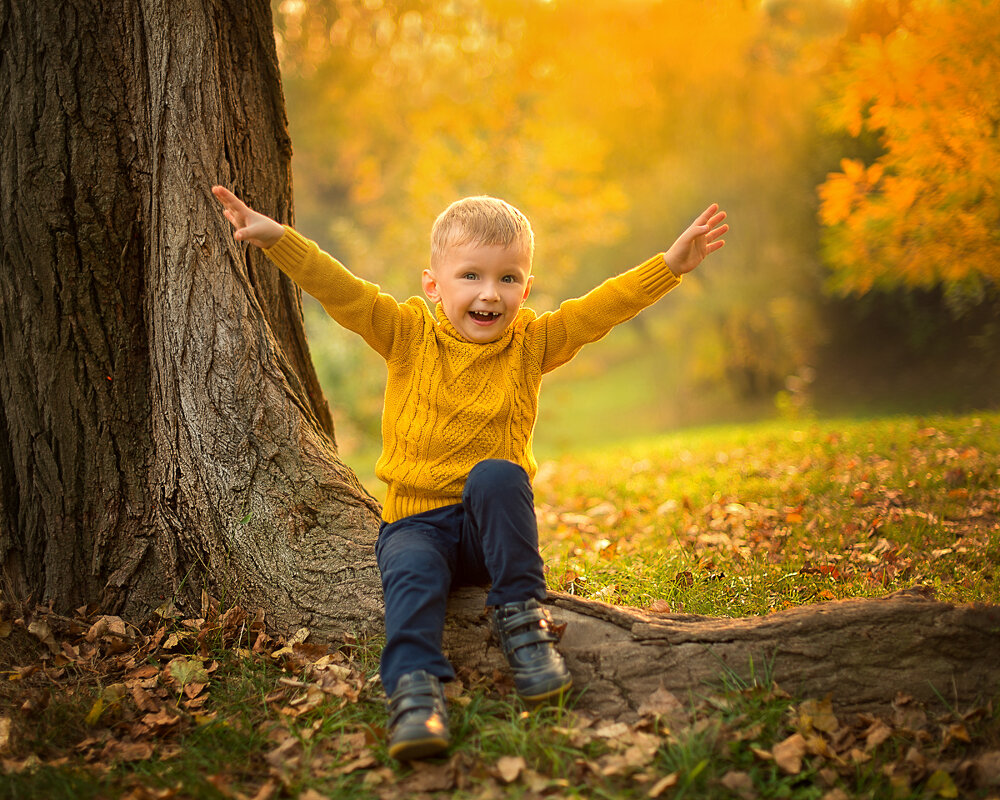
<point>925,211</point>
<point>853,144</point>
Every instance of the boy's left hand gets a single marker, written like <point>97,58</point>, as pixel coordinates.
<point>700,239</point>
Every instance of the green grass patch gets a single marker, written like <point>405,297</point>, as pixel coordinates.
<point>737,521</point>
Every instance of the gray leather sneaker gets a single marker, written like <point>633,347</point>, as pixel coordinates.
<point>418,717</point>
<point>526,637</point>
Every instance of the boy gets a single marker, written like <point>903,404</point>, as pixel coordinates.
<point>460,406</point>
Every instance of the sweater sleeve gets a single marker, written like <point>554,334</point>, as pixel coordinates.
<point>354,303</point>
<point>561,333</point>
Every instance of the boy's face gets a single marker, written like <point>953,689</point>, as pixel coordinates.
<point>481,288</point>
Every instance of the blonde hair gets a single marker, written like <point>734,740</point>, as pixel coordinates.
<point>481,220</point>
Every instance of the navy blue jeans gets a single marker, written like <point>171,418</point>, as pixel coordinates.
<point>490,537</point>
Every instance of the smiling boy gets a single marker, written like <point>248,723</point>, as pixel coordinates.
<point>460,407</point>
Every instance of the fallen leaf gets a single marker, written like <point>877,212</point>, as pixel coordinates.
<point>509,768</point>
<point>818,715</point>
<point>613,730</point>
<point>663,703</point>
<point>986,768</point>
<point>362,762</point>
<point>429,778</point>
<point>40,629</point>
<point>6,727</point>
<point>186,671</point>
<point>106,625</point>
<point>877,733</point>
<point>941,784</point>
<point>739,782</point>
<point>161,719</point>
<point>662,785</point>
<point>788,754</point>
<point>133,751</point>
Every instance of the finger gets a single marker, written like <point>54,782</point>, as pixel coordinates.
<point>716,219</point>
<point>706,215</point>
<point>229,200</point>
<point>716,233</point>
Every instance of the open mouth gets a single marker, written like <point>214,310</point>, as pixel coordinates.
<point>484,316</point>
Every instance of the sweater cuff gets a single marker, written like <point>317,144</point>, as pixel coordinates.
<point>290,249</point>
<point>656,277</point>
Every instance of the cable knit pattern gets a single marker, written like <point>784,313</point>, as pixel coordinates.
<point>449,402</point>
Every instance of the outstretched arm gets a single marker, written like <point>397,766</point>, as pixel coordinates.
<point>250,226</point>
<point>700,239</point>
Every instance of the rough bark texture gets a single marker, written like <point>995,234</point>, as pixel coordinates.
<point>161,426</point>
<point>862,652</point>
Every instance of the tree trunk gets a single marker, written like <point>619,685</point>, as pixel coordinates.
<point>861,652</point>
<point>161,426</point>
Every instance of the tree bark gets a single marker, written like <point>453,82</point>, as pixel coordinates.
<point>862,653</point>
<point>162,429</point>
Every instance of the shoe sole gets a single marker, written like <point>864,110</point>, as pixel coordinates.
<point>418,748</point>
<point>548,695</point>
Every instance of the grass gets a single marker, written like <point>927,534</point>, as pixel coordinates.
<point>732,522</point>
<point>722,521</point>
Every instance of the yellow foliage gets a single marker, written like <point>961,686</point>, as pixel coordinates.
<point>924,212</point>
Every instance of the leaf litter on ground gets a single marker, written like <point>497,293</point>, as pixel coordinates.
<point>91,694</point>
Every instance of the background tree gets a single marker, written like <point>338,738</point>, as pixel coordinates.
<point>161,427</point>
<point>924,212</point>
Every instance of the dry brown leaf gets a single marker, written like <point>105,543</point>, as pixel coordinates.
<point>788,754</point>
<point>877,733</point>
<point>663,703</point>
<point>105,625</point>
<point>509,768</point>
<point>6,733</point>
<point>818,715</point>
<point>41,631</point>
<point>614,731</point>
<point>362,762</point>
<point>143,700</point>
<point>662,785</point>
<point>739,783</point>
<point>267,791</point>
<point>161,719</point>
<point>132,751</point>
<point>986,768</point>
<point>429,778</point>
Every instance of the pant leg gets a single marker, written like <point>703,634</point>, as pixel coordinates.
<point>500,532</point>
<point>417,557</point>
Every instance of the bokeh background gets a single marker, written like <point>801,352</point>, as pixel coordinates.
<point>854,145</point>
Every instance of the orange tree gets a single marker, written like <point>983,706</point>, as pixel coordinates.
<point>924,213</point>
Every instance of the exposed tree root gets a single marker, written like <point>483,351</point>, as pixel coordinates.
<point>862,653</point>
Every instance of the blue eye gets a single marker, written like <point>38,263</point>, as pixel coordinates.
<point>471,276</point>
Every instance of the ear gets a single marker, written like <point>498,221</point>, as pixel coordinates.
<point>527,288</point>
<point>430,286</point>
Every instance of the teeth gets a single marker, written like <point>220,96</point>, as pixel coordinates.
<point>485,315</point>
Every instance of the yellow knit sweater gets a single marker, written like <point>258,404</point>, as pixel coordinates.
<point>449,402</point>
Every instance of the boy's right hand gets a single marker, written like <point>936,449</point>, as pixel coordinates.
<point>250,226</point>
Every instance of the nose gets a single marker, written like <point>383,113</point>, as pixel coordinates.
<point>488,291</point>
